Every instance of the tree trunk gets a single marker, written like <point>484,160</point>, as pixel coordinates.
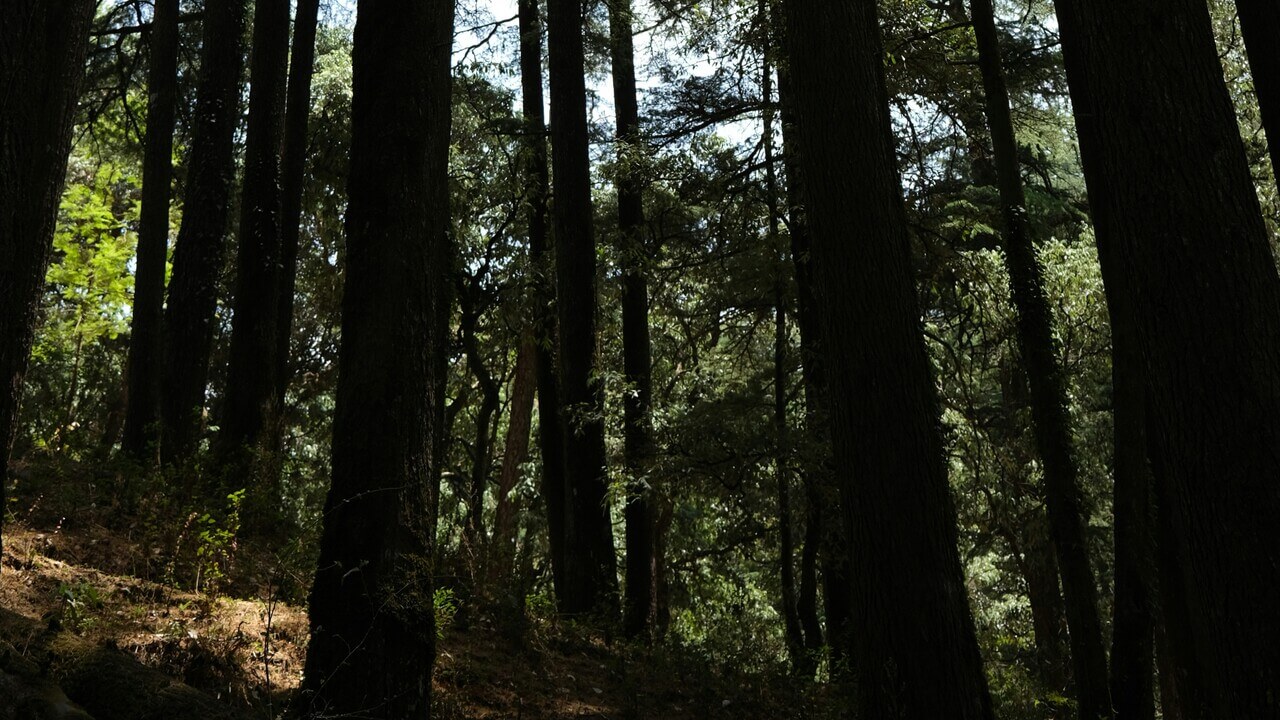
<point>470,299</point>
<point>372,623</point>
<point>550,423</point>
<point>1048,613</point>
<point>1260,26</point>
<point>590,573</point>
<point>1040,356</point>
<point>824,534</point>
<point>249,409</point>
<point>1133,619</point>
<point>514,454</point>
<point>641,585</point>
<point>42,50</point>
<point>782,446</point>
<point>916,654</point>
<point>199,252</point>
<point>293,163</point>
<point>146,351</point>
<point>1180,231</point>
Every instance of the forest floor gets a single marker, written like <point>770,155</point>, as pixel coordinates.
<point>246,649</point>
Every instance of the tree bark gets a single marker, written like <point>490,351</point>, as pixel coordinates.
<point>293,163</point>
<point>42,51</point>
<point>201,245</point>
<point>590,572</point>
<point>146,349</point>
<point>471,299</point>
<point>1050,413</point>
<point>536,169</point>
<point>1260,27</point>
<point>372,622</point>
<point>1048,612</point>
<point>1180,232</point>
<point>916,654</point>
<point>249,410</point>
<point>637,426</point>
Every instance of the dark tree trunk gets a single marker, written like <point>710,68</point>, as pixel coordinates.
<point>590,572</point>
<point>824,533</point>
<point>641,585</point>
<point>514,454</point>
<point>550,423</point>
<point>373,628</point>
<point>293,162</point>
<point>42,50</point>
<point>1133,618</point>
<point>1048,613</point>
<point>249,409</point>
<point>471,301</point>
<point>782,445</point>
<point>1180,231</point>
<point>146,351</point>
<point>1260,26</point>
<point>916,654</point>
<point>1040,356</point>
<point>199,251</point>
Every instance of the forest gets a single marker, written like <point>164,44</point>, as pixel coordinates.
<point>639,359</point>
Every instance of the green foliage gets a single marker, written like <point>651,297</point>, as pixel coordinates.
<point>81,602</point>
<point>444,603</point>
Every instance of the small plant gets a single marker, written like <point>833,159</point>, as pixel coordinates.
<point>445,605</point>
<point>80,603</point>
<point>216,544</point>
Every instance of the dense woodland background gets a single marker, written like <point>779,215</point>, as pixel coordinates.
<point>729,358</point>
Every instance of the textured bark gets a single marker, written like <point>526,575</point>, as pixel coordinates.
<point>916,654</point>
<point>1260,26</point>
<point>1041,358</point>
<point>590,568</point>
<point>199,252</point>
<point>637,426</point>
<point>249,411</point>
<point>293,162</point>
<point>536,169</point>
<point>514,453</point>
<point>146,351</point>
<point>373,628</point>
<point>1181,236</point>
<point>42,49</point>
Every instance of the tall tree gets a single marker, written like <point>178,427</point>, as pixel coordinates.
<point>916,654</point>
<point>201,245</point>
<point>637,426</point>
<point>146,350</point>
<point>250,410</point>
<point>42,50</point>
<point>1182,240</point>
<point>293,162</point>
<point>537,172</point>
<point>1045,375</point>
<point>1260,26</point>
<point>373,628</point>
<point>590,568</point>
